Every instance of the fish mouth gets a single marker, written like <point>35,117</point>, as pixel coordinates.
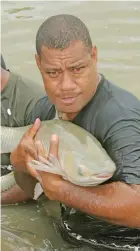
<point>98,176</point>
<point>94,180</point>
<point>104,175</point>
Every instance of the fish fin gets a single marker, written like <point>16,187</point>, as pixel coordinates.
<point>51,165</point>
<point>37,191</point>
<point>55,162</point>
<point>43,167</point>
<point>47,162</point>
<point>52,161</point>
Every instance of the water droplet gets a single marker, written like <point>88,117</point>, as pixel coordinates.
<point>78,237</point>
<point>9,111</point>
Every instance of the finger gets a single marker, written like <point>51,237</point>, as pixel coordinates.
<point>54,145</point>
<point>40,149</point>
<point>33,129</point>
<point>32,152</point>
<point>32,171</point>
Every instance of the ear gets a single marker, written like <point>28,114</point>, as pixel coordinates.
<point>95,53</point>
<point>38,61</point>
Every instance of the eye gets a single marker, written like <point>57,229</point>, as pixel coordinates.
<point>78,69</point>
<point>53,74</point>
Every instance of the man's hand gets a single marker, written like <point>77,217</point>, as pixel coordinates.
<point>48,180</point>
<point>26,151</point>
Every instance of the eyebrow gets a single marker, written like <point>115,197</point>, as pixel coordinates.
<point>79,63</point>
<point>52,69</point>
<point>72,65</point>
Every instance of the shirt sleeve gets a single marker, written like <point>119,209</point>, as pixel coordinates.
<point>43,109</point>
<point>120,137</point>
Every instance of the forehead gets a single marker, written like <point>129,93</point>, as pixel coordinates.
<point>75,52</point>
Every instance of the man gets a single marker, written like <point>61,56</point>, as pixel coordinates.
<point>67,60</point>
<point>18,97</point>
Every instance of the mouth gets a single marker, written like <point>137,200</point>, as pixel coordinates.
<point>68,100</point>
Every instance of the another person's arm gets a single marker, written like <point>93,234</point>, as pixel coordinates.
<point>14,195</point>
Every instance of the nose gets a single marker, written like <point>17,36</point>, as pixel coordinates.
<point>67,83</point>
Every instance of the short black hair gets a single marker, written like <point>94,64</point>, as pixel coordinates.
<point>58,32</point>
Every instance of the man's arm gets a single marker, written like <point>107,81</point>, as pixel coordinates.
<point>116,202</point>
<point>13,195</point>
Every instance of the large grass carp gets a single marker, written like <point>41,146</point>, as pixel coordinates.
<point>82,159</point>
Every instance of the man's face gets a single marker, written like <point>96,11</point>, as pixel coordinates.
<point>69,76</point>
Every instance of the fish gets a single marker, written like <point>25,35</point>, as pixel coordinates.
<point>81,158</point>
<point>7,181</point>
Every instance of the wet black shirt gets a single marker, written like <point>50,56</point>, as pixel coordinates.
<point>113,117</point>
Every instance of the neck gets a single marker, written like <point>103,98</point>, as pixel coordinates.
<point>71,116</point>
<point>4,78</point>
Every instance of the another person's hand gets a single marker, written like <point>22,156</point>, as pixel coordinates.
<point>26,151</point>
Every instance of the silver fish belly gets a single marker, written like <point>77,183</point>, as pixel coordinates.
<point>82,159</point>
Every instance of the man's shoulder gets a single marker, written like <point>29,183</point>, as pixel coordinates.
<point>109,104</point>
<point>119,96</point>
<point>119,105</point>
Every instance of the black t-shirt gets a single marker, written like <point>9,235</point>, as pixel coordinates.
<point>113,117</point>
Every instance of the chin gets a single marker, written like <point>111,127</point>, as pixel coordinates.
<point>69,109</point>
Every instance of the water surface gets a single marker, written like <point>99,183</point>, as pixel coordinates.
<point>115,30</point>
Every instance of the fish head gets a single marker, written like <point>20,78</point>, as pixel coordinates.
<point>84,171</point>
